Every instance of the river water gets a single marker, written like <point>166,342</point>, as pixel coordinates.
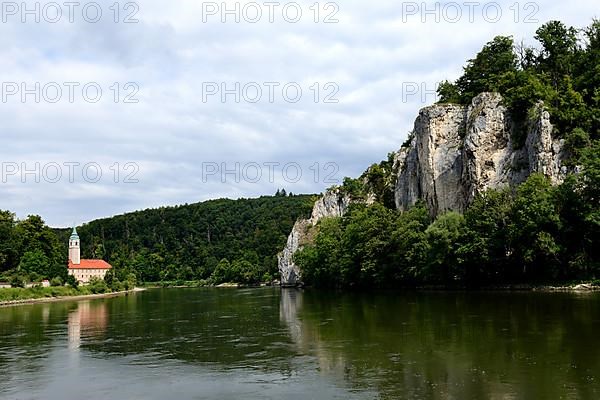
<point>289,344</point>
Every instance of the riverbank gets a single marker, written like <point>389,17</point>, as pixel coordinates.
<point>204,284</point>
<point>65,297</point>
<point>575,287</point>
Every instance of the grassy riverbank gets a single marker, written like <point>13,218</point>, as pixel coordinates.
<point>12,294</point>
<point>17,296</point>
<point>203,283</point>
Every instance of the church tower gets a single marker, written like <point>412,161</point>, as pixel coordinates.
<point>74,254</point>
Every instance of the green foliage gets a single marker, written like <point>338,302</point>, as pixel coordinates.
<point>354,187</point>
<point>485,243</point>
<point>184,243</point>
<point>538,233</point>
<point>17,281</point>
<point>443,238</point>
<point>130,282</point>
<point>16,294</point>
<point>319,262</point>
<point>224,273</point>
<point>577,141</point>
<point>8,252</point>
<point>448,92</point>
<point>369,246</point>
<point>559,47</point>
<point>563,73</point>
<point>109,277</point>
<point>56,281</point>
<point>30,248</point>
<point>484,71</point>
<point>534,226</point>
<point>34,262</point>
<point>378,181</point>
<point>72,282</point>
<point>97,286</point>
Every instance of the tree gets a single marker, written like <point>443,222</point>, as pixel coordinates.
<point>533,229</point>
<point>448,92</point>
<point>109,277</point>
<point>320,262</point>
<point>443,239</point>
<point>131,281</point>
<point>34,262</point>
<point>408,245</point>
<point>8,246</point>
<point>485,245</point>
<point>559,46</point>
<point>72,281</point>
<point>222,272</point>
<point>483,73</point>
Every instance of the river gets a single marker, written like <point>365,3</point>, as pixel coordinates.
<point>289,344</point>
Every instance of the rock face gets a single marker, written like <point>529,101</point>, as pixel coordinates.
<point>458,151</point>
<point>455,153</point>
<point>333,203</point>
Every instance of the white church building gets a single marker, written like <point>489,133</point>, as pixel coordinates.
<point>84,270</point>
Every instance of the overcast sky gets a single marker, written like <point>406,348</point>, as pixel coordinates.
<point>162,131</point>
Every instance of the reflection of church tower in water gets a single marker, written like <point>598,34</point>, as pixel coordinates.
<point>89,319</point>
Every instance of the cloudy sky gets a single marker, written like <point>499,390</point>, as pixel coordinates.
<point>113,107</point>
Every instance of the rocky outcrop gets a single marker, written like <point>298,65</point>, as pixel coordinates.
<point>458,151</point>
<point>455,152</point>
<point>430,168</point>
<point>333,203</point>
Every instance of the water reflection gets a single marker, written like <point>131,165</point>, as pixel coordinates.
<point>89,318</point>
<point>452,345</point>
<point>270,343</point>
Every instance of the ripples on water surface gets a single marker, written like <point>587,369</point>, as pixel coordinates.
<point>272,344</point>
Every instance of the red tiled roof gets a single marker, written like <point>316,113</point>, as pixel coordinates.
<point>90,264</point>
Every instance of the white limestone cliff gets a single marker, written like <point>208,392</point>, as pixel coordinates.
<point>455,153</point>
<point>333,203</point>
<point>459,151</point>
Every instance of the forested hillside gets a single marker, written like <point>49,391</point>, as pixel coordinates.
<point>532,233</point>
<point>228,240</point>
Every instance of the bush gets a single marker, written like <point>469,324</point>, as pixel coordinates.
<point>71,281</point>
<point>267,277</point>
<point>98,286</point>
<point>56,281</point>
<point>131,281</point>
<point>117,286</point>
<point>109,277</point>
<point>17,281</point>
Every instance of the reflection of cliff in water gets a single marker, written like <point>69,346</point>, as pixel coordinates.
<point>451,345</point>
<point>306,338</point>
<point>224,328</point>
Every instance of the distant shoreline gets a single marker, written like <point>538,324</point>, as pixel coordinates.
<point>11,303</point>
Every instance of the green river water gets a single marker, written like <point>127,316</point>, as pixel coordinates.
<point>290,344</point>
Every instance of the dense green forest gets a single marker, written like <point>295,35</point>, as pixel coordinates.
<point>218,240</point>
<point>535,233</point>
<point>30,250</point>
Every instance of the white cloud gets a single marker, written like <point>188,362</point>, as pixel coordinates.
<point>371,54</point>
